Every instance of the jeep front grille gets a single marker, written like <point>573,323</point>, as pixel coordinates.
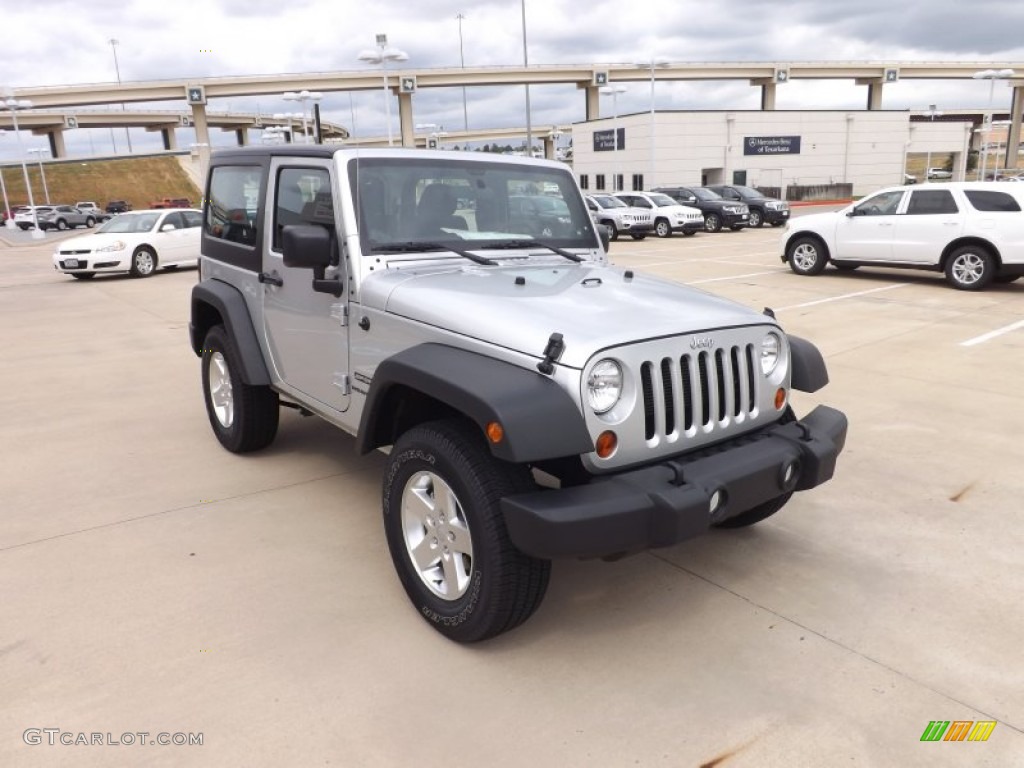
<point>703,391</point>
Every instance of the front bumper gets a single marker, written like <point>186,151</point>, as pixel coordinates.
<point>734,219</point>
<point>776,217</point>
<point>89,262</point>
<point>636,227</point>
<point>669,502</point>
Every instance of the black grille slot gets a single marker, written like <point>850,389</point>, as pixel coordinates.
<point>720,381</point>
<point>647,385</point>
<point>670,396</point>
<point>684,363</point>
<point>705,393</point>
<point>751,378</point>
<point>734,355</point>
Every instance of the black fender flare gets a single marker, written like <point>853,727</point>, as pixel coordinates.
<point>539,418</point>
<point>809,371</point>
<point>211,298</point>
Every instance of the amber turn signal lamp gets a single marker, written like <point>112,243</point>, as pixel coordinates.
<point>606,444</point>
<point>780,398</point>
<point>495,432</point>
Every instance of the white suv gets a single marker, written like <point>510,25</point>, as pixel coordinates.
<point>972,231</point>
<point>619,217</point>
<point>669,216</point>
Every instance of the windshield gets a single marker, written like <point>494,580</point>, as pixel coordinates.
<point>607,201</point>
<point>706,194</point>
<point>748,193</point>
<point>661,200</point>
<point>438,203</point>
<point>130,222</point>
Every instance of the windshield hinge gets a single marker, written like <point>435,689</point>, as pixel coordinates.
<point>552,352</point>
<point>339,312</point>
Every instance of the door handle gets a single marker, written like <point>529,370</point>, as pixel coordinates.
<point>270,279</point>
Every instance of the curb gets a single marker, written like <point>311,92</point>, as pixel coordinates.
<point>802,203</point>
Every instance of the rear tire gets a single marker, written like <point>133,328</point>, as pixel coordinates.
<point>806,256</point>
<point>757,514</point>
<point>447,534</point>
<point>970,268</point>
<point>244,417</point>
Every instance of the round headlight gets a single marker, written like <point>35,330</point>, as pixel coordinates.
<point>604,386</point>
<point>770,345</point>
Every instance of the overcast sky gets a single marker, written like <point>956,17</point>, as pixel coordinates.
<point>54,42</point>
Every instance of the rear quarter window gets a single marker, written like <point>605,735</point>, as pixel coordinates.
<point>233,210</point>
<point>984,200</point>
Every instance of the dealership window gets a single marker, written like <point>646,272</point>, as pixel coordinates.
<point>584,181</point>
<point>618,182</point>
<point>932,202</point>
<point>598,181</point>
<point>991,201</point>
<point>638,182</point>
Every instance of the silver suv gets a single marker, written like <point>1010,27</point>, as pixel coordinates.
<point>535,402</point>
<point>620,217</point>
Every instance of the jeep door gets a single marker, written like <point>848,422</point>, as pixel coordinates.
<point>865,233</point>
<point>307,334</point>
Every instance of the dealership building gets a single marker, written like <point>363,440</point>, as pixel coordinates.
<point>809,153</point>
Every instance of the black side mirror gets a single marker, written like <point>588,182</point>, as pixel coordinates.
<point>855,212</point>
<point>311,246</point>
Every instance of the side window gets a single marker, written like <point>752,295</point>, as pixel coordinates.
<point>303,197</point>
<point>584,181</point>
<point>175,220</point>
<point>991,201</point>
<point>192,219</point>
<point>234,203</point>
<point>931,202</point>
<point>884,204</point>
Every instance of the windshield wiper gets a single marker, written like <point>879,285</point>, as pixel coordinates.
<point>412,247</point>
<point>531,243</point>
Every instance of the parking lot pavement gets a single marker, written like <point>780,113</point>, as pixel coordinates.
<point>153,582</point>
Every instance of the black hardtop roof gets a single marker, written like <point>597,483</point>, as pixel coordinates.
<point>275,150</point>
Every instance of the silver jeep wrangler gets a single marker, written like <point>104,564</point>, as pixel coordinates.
<point>536,401</point>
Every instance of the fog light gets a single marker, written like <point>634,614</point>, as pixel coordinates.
<point>780,399</point>
<point>495,432</point>
<point>607,442</point>
<point>717,501</point>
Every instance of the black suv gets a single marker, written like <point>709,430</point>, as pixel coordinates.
<point>118,206</point>
<point>717,212</point>
<point>762,209</point>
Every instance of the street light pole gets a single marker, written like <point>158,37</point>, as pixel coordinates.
<point>991,75</point>
<point>654,62</point>
<point>932,113</point>
<point>14,105</point>
<point>39,155</point>
<point>614,91</point>
<point>117,69</point>
<point>462,63</point>
<point>382,56</point>
<point>7,204</point>
<point>302,97</point>
<point>526,63</point>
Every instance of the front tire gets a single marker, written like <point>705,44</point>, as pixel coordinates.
<point>970,268</point>
<point>244,417</point>
<point>713,223</point>
<point>613,231</point>
<point>756,217</point>
<point>806,256</point>
<point>757,514</point>
<point>61,224</point>
<point>144,262</point>
<point>90,222</point>
<point>447,535</point>
<point>662,228</point>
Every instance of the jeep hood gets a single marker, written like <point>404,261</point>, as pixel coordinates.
<point>593,307</point>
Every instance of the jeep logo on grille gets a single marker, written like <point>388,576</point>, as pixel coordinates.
<point>702,342</point>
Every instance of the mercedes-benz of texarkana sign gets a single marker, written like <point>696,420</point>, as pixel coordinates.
<point>535,402</point>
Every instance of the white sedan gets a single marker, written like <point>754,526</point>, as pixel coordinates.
<point>136,242</point>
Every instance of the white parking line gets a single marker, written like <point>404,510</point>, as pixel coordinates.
<point>733,277</point>
<point>992,334</point>
<point>714,259</point>
<point>843,296</point>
